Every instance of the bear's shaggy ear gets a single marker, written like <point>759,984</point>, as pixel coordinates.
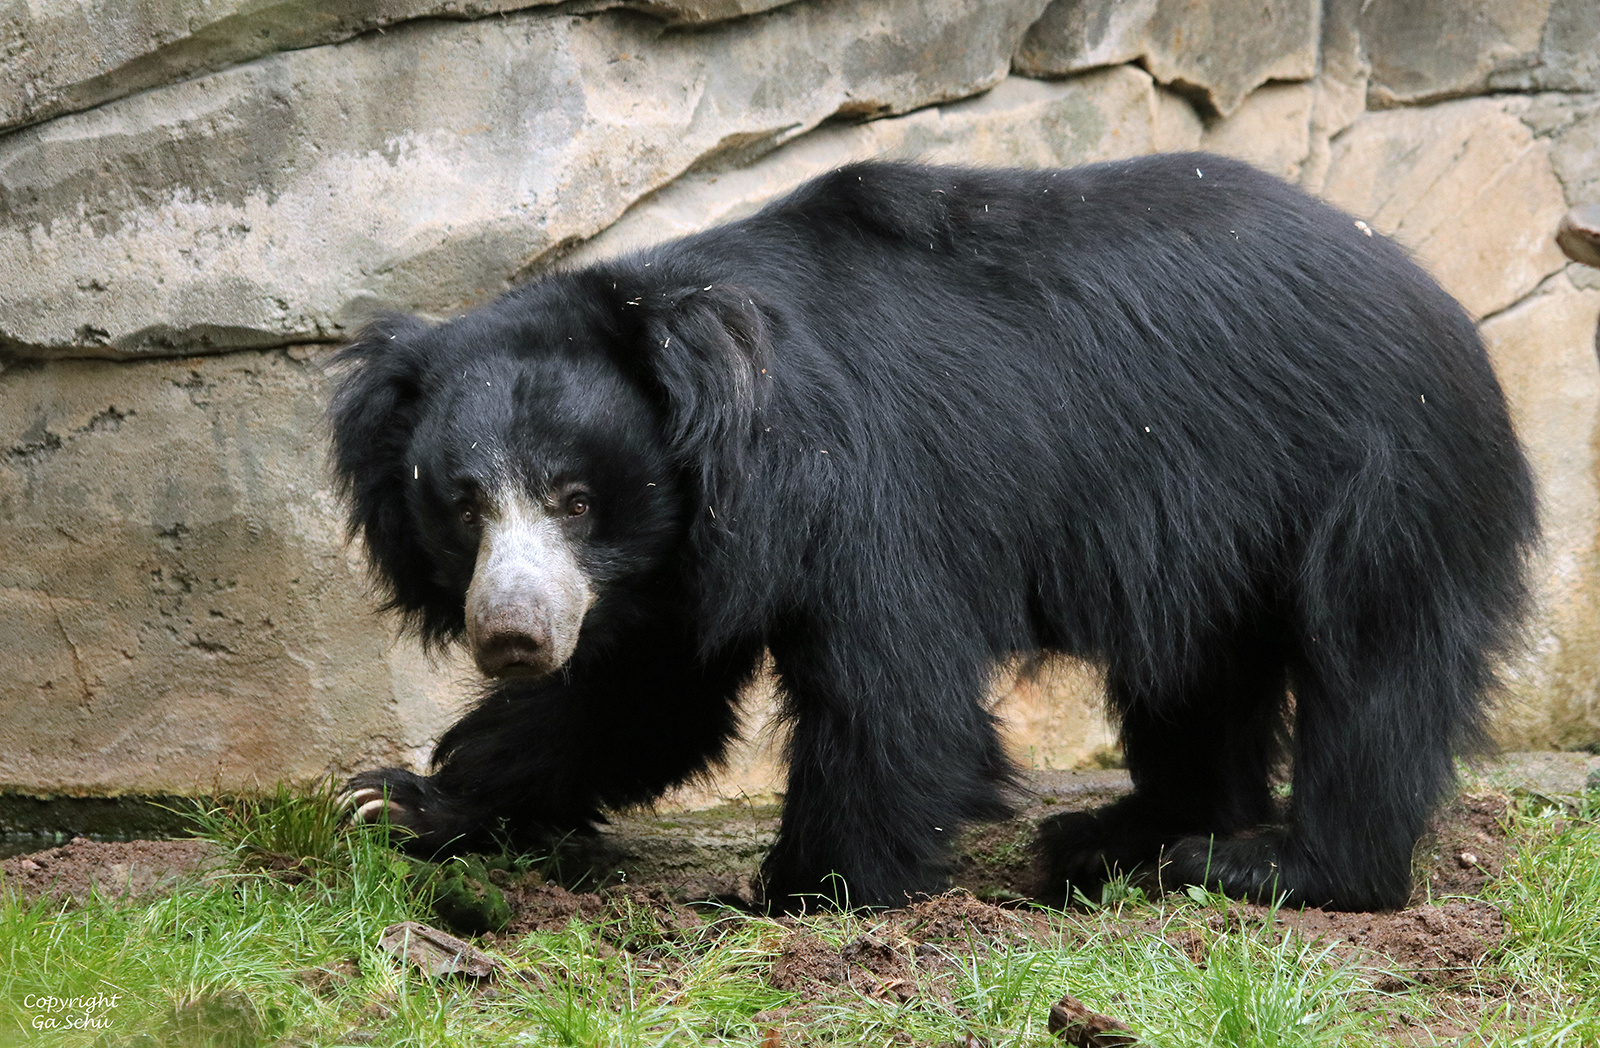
<point>708,350</point>
<point>374,411</point>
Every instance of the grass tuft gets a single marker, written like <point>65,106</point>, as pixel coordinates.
<point>288,829</point>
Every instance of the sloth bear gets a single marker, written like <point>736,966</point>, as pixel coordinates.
<point>1169,414</point>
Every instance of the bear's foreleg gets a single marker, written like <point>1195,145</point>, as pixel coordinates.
<point>537,759</point>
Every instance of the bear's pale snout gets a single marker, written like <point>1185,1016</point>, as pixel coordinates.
<point>528,595</point>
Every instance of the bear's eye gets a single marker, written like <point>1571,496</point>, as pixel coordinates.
<point>469,516</point>
<point>577,504</point>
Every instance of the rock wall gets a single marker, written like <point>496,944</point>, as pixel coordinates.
<point>198,199</point>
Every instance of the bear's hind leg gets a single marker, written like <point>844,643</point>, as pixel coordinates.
<point>892,752</point>
<point>1201,757</point>
<point>1374,739</point>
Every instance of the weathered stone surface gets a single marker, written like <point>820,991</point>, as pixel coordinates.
<point>1466,186</point>
<point>1543,349</point>
<point>1216,50</point>
<point>1335,105</point>
<point>1271,129</point>
<point>1025,123</point>
<point>179,612</point>
<point>282,200</point>
<point>1571,124</point>
<point>1340,89</point>
<point>1053,714</point>
<point>1426,50</point>
<point>62,56</point>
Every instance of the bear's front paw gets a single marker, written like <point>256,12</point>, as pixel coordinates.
<point>405,802</point>
<point>385,796</point>
<point>1276,867</point>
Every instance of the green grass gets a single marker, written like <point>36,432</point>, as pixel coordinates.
<point>1550,895</point>
<point>279,948</point>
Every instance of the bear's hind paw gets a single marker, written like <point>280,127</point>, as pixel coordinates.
<point>1241,868</point>
<point>1080,851</point>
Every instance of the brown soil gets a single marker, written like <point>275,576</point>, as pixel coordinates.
<point>117,869</point>
<point>1444,933</point>
<point>926,939</point>
<point>1431,944</point>
<point>1466,849</point>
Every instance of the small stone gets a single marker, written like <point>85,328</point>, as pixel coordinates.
<point>1467,860</point>
<point>436,952</point>
<point>1074,1023</point>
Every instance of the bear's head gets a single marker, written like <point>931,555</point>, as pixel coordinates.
<point>511,468</point>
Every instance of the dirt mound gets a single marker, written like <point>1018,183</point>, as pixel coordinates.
<point>905,952</point>
<point>1437,940</point>
<point>632,917</point>
<point>1431,944</point>
<point>1466,848</point>
<point>957,919</point>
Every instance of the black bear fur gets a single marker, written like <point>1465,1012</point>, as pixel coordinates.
<point>1169,414</point>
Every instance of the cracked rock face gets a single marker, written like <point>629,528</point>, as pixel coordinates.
<point>1218,51</point>
<point>185,611</point>
<point>1028,123</point>
<point>65,57</point>
<point>287,199</point>
<point>1426,50</point>
<point>1544,350</point>
<point>1466,185</point>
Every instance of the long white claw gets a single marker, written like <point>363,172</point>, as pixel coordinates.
<point>360,799</point>
<point>379,807</point>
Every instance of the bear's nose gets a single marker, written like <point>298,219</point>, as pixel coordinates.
<point>528,594</point>
<point>512,642</point>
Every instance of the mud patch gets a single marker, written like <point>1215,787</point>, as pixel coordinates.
<point>1435,945</point>
<point>630,917</point>
<point>905,953</point>
<point>540,906</point>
